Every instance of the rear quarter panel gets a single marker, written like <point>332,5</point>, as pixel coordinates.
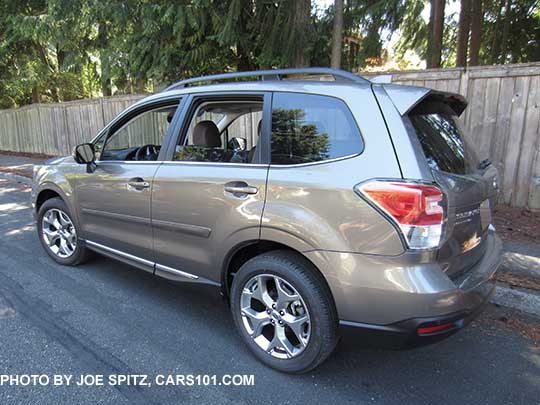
<point>315,206</point>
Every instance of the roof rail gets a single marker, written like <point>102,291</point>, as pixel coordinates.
<point>272,74</point>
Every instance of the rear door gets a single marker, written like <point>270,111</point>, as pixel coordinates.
<point>209,193</point>
<point>469,182</point>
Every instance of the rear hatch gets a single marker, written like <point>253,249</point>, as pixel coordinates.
<point>468,181</point>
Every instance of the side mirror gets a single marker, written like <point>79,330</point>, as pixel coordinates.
<point>85,154</point>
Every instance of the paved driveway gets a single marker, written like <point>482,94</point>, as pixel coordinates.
<point>107,318</point>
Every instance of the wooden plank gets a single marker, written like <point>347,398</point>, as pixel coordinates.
<point>452,86</point>
<point>513,149</point>
<point>488,123</point>
<point>498,150</point>
<point>529,144</point>
<point>473,120</point>
<point>505,71</point>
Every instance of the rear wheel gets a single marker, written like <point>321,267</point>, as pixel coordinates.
<point>58,233</point>
<point>284,311</point>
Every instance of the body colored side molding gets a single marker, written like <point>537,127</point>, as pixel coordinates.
<point>114,215</point>
<point>196,230</point>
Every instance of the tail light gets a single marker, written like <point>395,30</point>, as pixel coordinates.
<point>417,209</point>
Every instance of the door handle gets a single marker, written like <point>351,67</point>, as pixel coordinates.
<point>241,188</point>
<point>138,183</point>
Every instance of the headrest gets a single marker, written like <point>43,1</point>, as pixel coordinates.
<point>206,133</point>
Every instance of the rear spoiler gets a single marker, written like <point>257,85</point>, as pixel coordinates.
<point>405,98</point>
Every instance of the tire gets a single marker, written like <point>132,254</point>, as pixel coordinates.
<point>73,251</point>
<point>308,342</point>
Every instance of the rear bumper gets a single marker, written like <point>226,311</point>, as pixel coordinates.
<point>404,334</point>
<point>390,297</point>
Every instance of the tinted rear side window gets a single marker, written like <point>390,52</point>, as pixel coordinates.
<point>310,128</point>
<point>439,132</point>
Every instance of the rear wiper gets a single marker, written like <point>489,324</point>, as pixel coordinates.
<point>484,163</point>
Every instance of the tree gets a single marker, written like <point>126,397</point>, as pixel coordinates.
<point>506,30</point>
<point>477,19</point>
<point>337,37</point>
<point>301,24</point>
<point>463,32</point>
<point>57,50</point>
<point>510,31</point>
<point>436,30</point>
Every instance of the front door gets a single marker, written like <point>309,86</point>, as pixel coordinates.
<point>210,193</point>
<point>114,200</point>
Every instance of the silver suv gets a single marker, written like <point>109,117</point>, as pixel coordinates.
<point>315,206</point>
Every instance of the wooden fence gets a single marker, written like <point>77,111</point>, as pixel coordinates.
<point>502,121</point>
<point>55,129</point>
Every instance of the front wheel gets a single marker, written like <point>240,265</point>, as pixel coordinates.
<point>58,233</point>
<point>284,311</point>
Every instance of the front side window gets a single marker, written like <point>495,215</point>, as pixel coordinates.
<point>140,138</point>
<point>222,131</point>
<point>310,128</point>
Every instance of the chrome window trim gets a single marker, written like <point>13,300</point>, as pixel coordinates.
<point>183,162</point>
<point>130,162</point>
<point>186,162</point>
<point>319,162</point>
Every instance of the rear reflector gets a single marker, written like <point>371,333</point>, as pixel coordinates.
<point>428,330</point>
<point>416,208</point>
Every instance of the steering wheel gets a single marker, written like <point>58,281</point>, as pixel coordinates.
<point>147,152</point>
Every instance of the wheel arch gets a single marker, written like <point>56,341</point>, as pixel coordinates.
<point>244,251</point>
<point>49,190</point>
<point>46,194</point>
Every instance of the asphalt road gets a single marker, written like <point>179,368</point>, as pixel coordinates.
<point>108,318</point>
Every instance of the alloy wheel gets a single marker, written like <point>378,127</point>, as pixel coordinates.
<point>59,233</point>
<point>275,316</point>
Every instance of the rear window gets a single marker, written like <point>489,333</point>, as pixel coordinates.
<point>311,128</point>
<point>439,132</point>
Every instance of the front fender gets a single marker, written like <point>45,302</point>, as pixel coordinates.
<point>55,178</point>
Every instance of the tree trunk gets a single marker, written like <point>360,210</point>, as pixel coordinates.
<point>337,38</point>
<point>35,95</point>
<point>429,50</point>
<point>106,84</point>
<point>463,33</point>
<point>302,14</point>
<point>436,33</point>
<point>477,20</point>
<point>244,63</point>
<point>104,60</point>
<point>495,44</point>
<point>242,44</point>
<point>506,30</point>
<point>141,85</point>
